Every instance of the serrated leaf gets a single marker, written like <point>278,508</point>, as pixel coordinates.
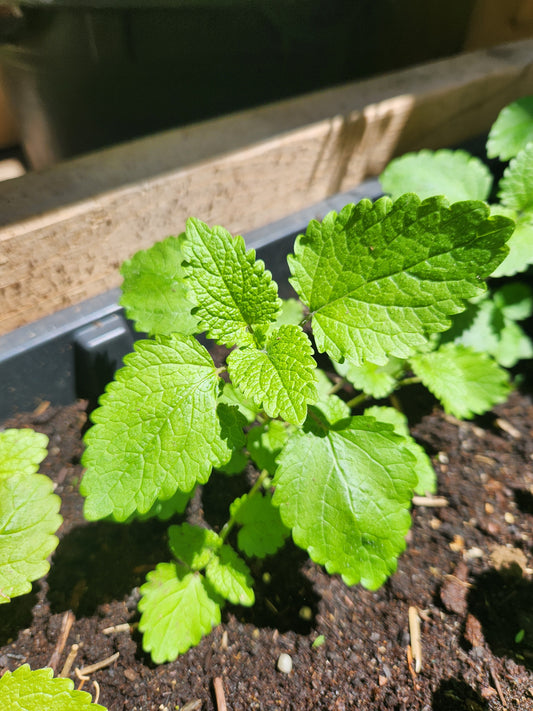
<point>21,451</point>
<point>455,174</point>
<point>427,481</point>
<point>163,510</point>
<point>512,130</point>
<point>291,313</point>
<point>230,577</point>
<point>380,278</point>
<point>232,422</point>
<point>154,293</point>
<point>375,380</point>
<point>265,442</point>
<point>262,531</point>
<point>37,690</point>
<point>29,517</point>
<point>489,325</point>
<point>193,545</point>
<point>330,405</point>
<point>156,430</point>
<point>233,292</point>
<point>347,499</point>
<point>177,611</point>
<point>466,382</point>
<point>280,377</point>
<point>233,396</point>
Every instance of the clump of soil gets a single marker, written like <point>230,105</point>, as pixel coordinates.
<point>467,571</point>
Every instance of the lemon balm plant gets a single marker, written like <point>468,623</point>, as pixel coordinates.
<point>376,284</point>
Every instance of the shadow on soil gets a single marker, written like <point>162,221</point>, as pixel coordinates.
<point>16,616</point>
<point>457,695</point>
<point>524,500</point>
<point>501,601</point>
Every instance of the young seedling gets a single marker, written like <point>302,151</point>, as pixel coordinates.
<point>491,321</point>
<point>376,284</point>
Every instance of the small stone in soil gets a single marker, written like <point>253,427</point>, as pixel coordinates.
<point>284,663</point>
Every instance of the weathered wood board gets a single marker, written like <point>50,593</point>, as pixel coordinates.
<point>65,231</point>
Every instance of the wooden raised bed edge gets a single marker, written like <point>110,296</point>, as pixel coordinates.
<point>66,230</point>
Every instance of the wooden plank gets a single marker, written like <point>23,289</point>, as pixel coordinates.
<point>66,230</point>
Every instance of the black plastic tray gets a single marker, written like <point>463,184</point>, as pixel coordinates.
<point>74,353</point>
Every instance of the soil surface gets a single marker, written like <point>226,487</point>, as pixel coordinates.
<point>467,570</point>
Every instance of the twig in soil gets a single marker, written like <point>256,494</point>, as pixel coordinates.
<point>41,407</point>
<point>414,633</point>
<point>69,661</point>
<point>219,694</point>
<point>193,705</point>
<point>507,427</point>
<point>497,685</point>
<point>124,627</point>
<point>96,691</point>
<point>430,501</point>
<point>91,668</point>
<point>66,624</point>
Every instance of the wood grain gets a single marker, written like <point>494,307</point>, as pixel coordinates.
<point>65,231</point>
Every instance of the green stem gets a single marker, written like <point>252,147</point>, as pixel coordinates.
<point>357,400</point>
<point>232,521</point>
<point>408,381</point>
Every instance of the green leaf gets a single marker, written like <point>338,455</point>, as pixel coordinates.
<point>466,382</point>
<point>280,376</point>
<point>164,510</point>
<point>512,130</point>
<point>193,545</point>
<point>427,481</point>
<point>262,531</point>
<point>156,430</point>
<point>230,577</point>
<point>455,174</point>
<point>329,404</point>
<point>232,423</point>
<point>265,442</point>
<point>380,278</point>
<point>233,396</point>
<point>345,492</point>
<point>516,195</point>
<point>21,451</point>
<point>375,380</point>
<point>154,293</point>
<point>37,690</point>
<point>29,516</point>
<point>292,313</point>
<point>490,325</point>
<point>233,292</point>
<point>177,611</point>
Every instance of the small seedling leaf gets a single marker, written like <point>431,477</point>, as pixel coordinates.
<point>466,382</point>
<point>330,405</point>
<point>154,293</point>
<point>193,545</point>
<point>143,446</point>
<point>37,690</point>
<point>427,481</point>
<point>230,577</point>
<point>177,610</point>
<point>21,451</point>
<point>280,377</point>
<point>347,499</point>
<point>262,531</point>
<point>455,174</point>
<point>375,380</point>
<point>512,130</point>
<point>265,442</point>
<point>233,292</point>
<point>380,278</point>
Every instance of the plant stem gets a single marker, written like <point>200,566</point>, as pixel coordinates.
<point>231,522</point>
<point>357,400</point>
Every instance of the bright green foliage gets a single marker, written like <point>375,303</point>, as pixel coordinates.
<point>37,690</point>
<point>455,174</point>
<point>380,282</point>
<point>280,376</point>
<point>427,482</point>
<point>233,292</point>
<point>29,512</point>
<point>376,380</point>
<point>490,325</point>
<point>154,294</point>
<point>379,278</point>
<point>178,608</point>
<point>345,492</point>
<point>230,577</point>
<point>142,446</point>
<point>265,442</point>
<point>512,130</point>
<point>466,382</point>
<point>262,531</point>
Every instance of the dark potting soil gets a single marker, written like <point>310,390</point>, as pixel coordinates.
<point>466,570</point>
